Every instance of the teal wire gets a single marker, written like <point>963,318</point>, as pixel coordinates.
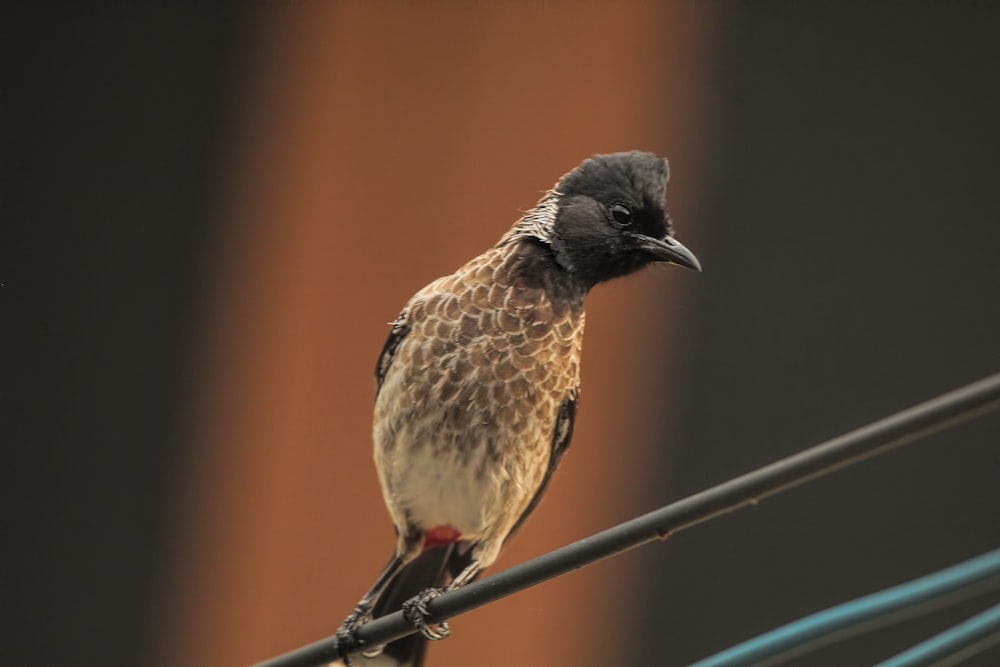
<point>851,615</point>
<point>950,642</point>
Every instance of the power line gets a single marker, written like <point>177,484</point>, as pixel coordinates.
<point>899,429</point>
<point>949,586</point>
<point>955,645</point>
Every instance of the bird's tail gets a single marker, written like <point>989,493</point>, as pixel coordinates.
<point>428,570</point>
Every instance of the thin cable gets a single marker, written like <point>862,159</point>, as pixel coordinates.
<point>899,429</point>
<point>957,643</point>
<point>973,577</point>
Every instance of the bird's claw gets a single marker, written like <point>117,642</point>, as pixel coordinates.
<point>346,640</point>
<point>416,612</point>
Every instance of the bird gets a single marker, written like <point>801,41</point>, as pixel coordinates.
<point>478,382</point>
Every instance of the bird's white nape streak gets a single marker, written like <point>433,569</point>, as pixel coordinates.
<point>536,223</point>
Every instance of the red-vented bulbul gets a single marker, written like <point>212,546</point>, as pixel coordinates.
<point>478,382</point>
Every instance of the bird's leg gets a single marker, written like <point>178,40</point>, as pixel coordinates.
<point>362,613</point>
<point>416,612</point>
<point>466,575</point>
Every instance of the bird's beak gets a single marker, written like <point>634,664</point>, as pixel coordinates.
<point>669,250</point>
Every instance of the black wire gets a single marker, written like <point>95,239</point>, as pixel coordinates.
<point>896,430</point>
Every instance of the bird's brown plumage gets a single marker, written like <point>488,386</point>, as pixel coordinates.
<point>475,388</point>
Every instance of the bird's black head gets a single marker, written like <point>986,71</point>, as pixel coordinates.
<point>610,218</point>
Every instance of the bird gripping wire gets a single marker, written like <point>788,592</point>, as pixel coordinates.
<point>899,429</point>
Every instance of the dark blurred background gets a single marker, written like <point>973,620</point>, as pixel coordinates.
<point>209,216</point>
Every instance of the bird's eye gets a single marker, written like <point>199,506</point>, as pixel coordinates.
<point>621,213</point>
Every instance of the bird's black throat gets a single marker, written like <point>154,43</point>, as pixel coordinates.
<point>534,265</point>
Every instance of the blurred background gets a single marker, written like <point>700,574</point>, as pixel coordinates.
<point>211,214</point>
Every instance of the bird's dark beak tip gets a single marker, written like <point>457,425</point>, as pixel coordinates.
<point>695,264</point>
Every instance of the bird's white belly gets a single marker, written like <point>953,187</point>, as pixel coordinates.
<point>462,491</point>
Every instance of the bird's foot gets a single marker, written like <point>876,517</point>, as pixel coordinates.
<point>346,640</point>
<point>416,612</point>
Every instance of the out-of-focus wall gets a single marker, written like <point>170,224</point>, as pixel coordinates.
<point>850,239</point>
<point>114,118</point>
<point>211,214</point>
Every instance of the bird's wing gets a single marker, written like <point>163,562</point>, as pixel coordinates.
<point>561,435</point>
<point>399,330</point>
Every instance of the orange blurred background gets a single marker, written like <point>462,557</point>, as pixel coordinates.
<point>371,157</point>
